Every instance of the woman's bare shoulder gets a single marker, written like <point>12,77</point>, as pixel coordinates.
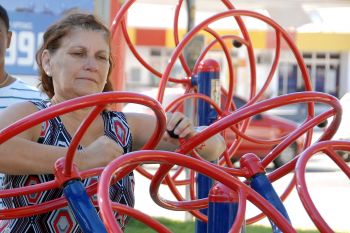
<point>16,112</point>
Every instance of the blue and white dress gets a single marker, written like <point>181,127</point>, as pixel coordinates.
<point>62,220</point>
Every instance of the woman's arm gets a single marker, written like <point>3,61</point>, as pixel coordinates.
<point>143,125</point>
<point>23,155</point>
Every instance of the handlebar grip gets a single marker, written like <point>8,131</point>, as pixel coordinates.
<point>171,132</point>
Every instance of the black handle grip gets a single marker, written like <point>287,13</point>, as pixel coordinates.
<point>171,132</point>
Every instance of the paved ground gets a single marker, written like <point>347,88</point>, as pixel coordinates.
<point>328,187</point>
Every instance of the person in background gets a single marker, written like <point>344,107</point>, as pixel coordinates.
<point>75,60</point>
<point>12,90</point>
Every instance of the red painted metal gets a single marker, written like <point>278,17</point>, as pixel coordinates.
<point>62,177</point>
<point>153,223</point>
<point>229,118</point>
<point>64,173</point>
<point>176,38</point>
<point>76,139</point>
<point>150,37</point>
<point>216,17</point>
<point>252,163</point>
<point>118,50</point>
<point>119,20</point>
<point>328,148</point>
<point>221,193</point>
<point>209,65</point>
<point>234,118</point>
<point>232,78</point>
<point>203,167</point>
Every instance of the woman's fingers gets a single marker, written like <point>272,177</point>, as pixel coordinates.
<point>179,125</point>
<point>173,119</point>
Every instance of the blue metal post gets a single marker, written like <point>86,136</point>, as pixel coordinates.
<point>223,207</point>
<point>82,207</point>
<point>208,80</point>
<point>261,184</point>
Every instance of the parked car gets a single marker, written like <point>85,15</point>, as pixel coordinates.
<point>266,127</point>
<point>262,126</point>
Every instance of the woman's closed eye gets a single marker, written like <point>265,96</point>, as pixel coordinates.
<point>101,57</point>
<point>77,54</point>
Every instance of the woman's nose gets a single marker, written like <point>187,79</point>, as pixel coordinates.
<point>90,64</point>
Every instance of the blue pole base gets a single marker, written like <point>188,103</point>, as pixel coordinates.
<point>82,208</point>
<point>261,184</point>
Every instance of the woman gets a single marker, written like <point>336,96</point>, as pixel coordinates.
<point>74,61</point>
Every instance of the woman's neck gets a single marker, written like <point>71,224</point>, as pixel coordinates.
<point>77,115</point>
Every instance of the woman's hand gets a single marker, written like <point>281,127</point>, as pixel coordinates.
<point>99,153</point>
<point>178,126</point>
<point>142,126</point>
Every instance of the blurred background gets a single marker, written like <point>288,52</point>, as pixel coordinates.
<point>318,27</point>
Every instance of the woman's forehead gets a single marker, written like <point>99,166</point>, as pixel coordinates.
<point>86,38</point>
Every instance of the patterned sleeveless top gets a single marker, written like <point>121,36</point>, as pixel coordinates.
<point>62,220</point>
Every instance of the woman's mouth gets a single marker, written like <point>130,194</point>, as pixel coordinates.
<point>87,79</point>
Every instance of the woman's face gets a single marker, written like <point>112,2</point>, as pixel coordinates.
<point>80,66</point>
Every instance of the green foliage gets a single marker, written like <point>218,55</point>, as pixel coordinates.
<point>175,226</point>
<point>188,227</point>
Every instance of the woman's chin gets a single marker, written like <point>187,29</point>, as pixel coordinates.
<point>88,91</point>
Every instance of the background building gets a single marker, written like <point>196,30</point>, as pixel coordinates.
<point>319,30</point>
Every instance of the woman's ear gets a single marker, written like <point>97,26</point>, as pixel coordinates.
<point>45,62</point>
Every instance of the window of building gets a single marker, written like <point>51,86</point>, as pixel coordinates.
<point>323,69</point>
